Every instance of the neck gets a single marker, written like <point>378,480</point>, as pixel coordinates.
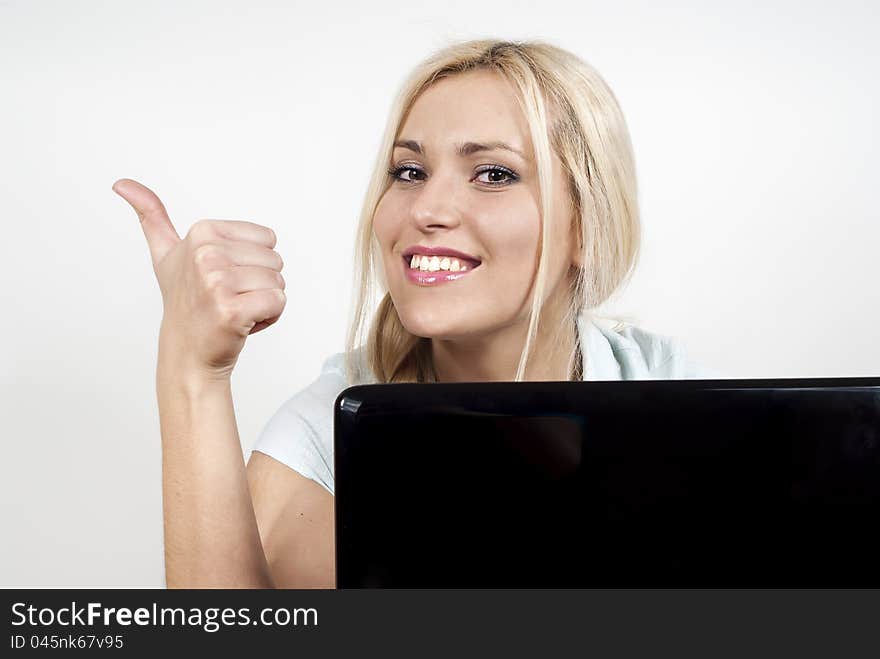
<point>494,357</point>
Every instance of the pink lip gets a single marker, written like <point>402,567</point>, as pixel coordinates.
<point>441,251</point>
<point>427,278</point>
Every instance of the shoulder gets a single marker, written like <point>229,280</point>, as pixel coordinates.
<point>314,403</point>
<point>316,400</point>
<point>623,351</point>
<point>300,433</point>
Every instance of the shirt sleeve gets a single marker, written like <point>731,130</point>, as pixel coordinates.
<point>300,433</point>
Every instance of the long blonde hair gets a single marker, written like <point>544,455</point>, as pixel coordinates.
<point>571,110</point>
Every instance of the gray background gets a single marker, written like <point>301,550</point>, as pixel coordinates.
<point>755,135</point>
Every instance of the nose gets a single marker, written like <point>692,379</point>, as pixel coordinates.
<point>435,204</point>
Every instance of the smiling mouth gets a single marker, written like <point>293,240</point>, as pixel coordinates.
<point>434,272</point>
<point>425,263</point>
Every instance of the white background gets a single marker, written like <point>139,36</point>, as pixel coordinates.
<point>755,135</point>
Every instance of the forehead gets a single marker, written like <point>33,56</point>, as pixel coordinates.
<point>477,105</point>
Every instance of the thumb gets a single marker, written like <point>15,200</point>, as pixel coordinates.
<point>160,233</point>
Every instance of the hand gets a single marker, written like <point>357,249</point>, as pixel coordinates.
<point>219,284</point>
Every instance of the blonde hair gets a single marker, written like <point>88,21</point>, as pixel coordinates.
<point>569,109</point>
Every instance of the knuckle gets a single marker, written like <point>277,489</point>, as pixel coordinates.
<point>279,261</point>
<point>280,279</point>
<point>214,279</point>
<point>204,254</point>
<point>227,314</point>
<point>202,230</point>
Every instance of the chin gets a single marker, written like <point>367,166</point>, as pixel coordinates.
<point>434,324</point>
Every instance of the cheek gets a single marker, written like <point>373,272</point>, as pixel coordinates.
<point>511,238</point>
<point>389,219</point>
<point>382,220</point>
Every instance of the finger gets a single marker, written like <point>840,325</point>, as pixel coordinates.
<point>263,324</point>
<point>244,278</point>
<point>263,305</point>
<point>241,230</point>
<point>243,253</point>
<point>160,233</point>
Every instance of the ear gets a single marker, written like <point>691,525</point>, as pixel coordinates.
<point>577,246</point>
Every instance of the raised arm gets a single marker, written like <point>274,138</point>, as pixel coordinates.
<point>219,284</point>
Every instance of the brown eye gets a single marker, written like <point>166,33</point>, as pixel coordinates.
<point>396,173</point>
<point>497,176</point>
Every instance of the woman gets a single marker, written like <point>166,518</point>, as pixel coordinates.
<point>502,208</point>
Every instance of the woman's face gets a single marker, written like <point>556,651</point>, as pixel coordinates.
<point>451,196</point>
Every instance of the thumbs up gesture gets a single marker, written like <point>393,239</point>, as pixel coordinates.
<point>219,284</point>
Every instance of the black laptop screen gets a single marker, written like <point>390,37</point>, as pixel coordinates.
<point>648,483</point>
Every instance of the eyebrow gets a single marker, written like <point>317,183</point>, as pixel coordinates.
<point>465,149</point>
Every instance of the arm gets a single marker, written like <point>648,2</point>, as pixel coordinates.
<point>211,536</point>
<point>227,525</point>
<point>219,284</point>
<point>296,518</point>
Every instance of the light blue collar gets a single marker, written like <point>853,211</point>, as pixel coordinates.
<point>599,362</point>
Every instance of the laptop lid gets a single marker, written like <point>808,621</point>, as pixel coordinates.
<point>627,483</point>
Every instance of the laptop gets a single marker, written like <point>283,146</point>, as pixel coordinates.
<point>681,483</point>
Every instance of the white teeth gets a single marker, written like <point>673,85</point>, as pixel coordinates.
<point>435,263</point>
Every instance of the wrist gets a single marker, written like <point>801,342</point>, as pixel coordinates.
<point>177,365</point>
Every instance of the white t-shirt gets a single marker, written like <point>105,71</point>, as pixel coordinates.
<point>300,433</point>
